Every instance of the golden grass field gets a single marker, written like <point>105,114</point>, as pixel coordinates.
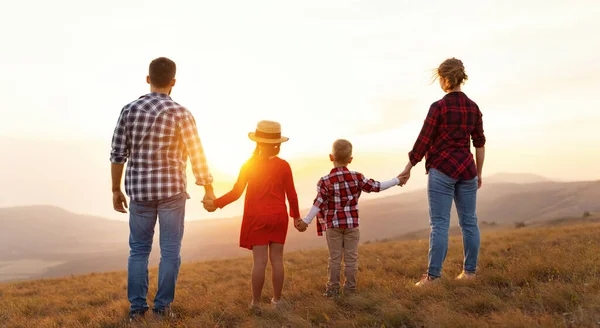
<point>529,277</point>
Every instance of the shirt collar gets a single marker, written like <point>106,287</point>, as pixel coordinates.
<point>156,95</point>
<point>339,169</point>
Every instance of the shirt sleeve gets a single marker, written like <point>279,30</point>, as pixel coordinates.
<point>290,191</point>
<point>322,194</point>
<point>368,185</point>
<point>120,140</point>
<point>189,134</point>
<point>389,184</point>
<point>426,136</point>
<point>477,134</point>
<point>311,214</point>
<point>237,190</point>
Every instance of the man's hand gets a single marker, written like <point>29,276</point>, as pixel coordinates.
<point>209,204</point>
<point>209,197</point>
<point>301,225</point>
<point>479,182</point>
<point>119,201</point>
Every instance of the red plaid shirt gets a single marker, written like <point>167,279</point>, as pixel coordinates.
<point>444,138</point>
<point>337,198</point>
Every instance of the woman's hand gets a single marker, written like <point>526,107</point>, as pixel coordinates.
<point>405,175</point>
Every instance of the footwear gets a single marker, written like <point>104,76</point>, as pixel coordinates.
<point>349,292</point>
<point>332,293</point>
<point>136,315</point>
<point>277,304</point>
<point>466,276</point>
<point>255,309</point>
<point>164,313</point>
<point>426,280</point>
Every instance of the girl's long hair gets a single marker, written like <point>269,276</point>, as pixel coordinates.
<point>268,151</point>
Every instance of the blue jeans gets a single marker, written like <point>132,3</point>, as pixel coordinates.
<point>441,190</point>
<point>142,220</point>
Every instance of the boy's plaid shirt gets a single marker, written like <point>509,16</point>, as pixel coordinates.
<point>337,198</point>
<point>157,134</point>
<point>444,138</point>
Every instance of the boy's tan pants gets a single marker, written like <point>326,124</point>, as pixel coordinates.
<point>342,242</point>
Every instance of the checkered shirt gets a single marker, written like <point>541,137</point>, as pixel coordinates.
<point>337,198</point>
<point>156,134</point>
<point>444,138</point>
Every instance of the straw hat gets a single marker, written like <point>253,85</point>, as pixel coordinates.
<point>267,132</point>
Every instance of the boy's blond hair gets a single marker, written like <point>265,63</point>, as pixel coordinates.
<point>342,151</point>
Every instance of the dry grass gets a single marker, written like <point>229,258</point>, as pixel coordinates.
<point>543,277</point>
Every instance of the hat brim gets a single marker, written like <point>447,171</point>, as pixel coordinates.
<point>253,137</point>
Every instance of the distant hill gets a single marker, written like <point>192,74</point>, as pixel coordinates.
<point>515,178</point>
<point>526,278</point>
<point>43,241</point>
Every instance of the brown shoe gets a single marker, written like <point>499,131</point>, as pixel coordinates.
<point>426,280</point>
<point>466,276</point>
<point>332,293</point>
<point>349,292</point>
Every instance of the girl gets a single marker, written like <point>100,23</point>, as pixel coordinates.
<point>265,221</point>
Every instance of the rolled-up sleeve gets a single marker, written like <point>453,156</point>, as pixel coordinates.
<point>477,135</point>
<point>191,140</point>
<point>368,185</point>
<point>120,141</point>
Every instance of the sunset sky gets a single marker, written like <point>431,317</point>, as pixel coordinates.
<point>325,69</point>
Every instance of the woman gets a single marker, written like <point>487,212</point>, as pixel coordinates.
<point>453,174</point>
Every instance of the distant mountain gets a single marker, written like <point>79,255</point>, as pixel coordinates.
<point>41,241</point>
<point>515,178</point>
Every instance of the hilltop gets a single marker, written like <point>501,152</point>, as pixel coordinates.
<point>45,241</point>
<point>529,277</point>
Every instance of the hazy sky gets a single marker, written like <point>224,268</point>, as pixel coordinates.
<point>324,69</point>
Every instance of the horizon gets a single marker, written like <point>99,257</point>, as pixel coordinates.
<point>360,71</point>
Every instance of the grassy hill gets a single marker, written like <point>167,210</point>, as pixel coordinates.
<point>529,277</point>
<point>44,241</point>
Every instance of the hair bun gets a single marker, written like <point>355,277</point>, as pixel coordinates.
<point>453,71</point>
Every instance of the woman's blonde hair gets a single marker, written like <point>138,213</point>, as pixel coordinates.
<point>453,73</point>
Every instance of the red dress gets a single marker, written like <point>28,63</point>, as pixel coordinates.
<point>265,217</point>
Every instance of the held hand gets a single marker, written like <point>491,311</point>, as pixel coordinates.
<point>208,201</point>
<point>209,195</point>
<point>209,205</point>
<point>119,201</point>
<point>405,175</point>
<point>301,225</point>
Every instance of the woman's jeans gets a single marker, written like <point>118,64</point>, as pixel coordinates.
<point>441,190</point>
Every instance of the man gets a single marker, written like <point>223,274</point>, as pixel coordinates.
<point>156,134</point>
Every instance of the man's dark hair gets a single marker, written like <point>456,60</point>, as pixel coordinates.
<point>162,72</point>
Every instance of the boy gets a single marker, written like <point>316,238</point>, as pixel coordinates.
<point>336,208</point>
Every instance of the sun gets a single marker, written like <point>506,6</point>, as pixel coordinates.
<point>227,157</point>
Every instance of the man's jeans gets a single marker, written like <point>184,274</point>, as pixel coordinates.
<point>441,190</point>
<point>142,220</point>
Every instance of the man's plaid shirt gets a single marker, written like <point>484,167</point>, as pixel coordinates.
<point>444,138</point>
<point>156,134</point>
<point>337,198</point>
